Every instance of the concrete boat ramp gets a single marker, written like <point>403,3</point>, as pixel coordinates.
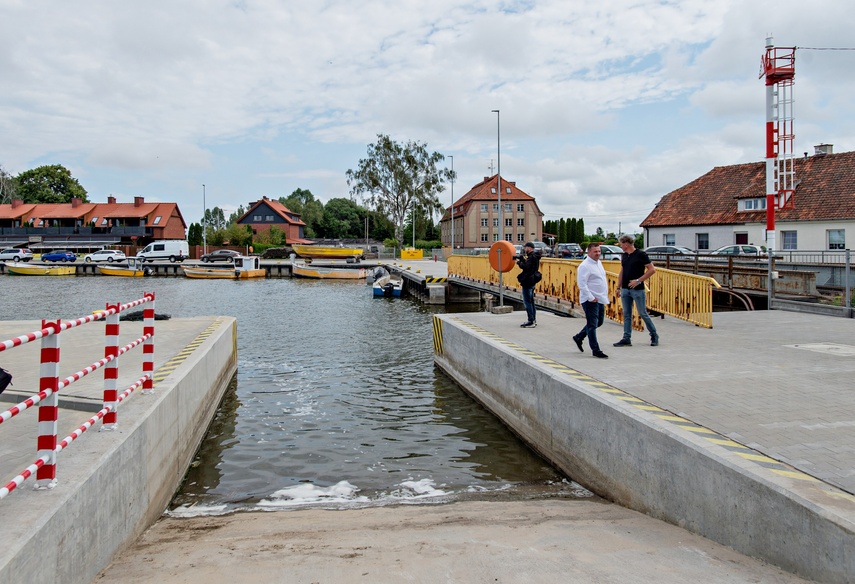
<point>730,450</point>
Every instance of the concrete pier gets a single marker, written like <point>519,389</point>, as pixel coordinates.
<point>111,485</point>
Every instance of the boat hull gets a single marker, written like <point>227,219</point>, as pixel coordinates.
<point>22,269</point>
<point>389,290</point>
<point>328,273</point>
<point>121,271</point>
<point>327,252</point>
<point>209,273</point>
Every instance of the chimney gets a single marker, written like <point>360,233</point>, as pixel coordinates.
<point>138,201</point>
<point>17,203</point>
<point>823,149</point>
<point>111,200</point>
<point>75,202</point>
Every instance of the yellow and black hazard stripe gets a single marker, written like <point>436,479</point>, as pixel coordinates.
<point>167,368</point>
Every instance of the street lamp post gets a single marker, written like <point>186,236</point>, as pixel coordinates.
<point>452,204</point>
<point>499,192</point>
<point>204,222</point>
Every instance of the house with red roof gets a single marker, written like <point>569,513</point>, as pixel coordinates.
<point>79,225</point>
<point>475,216</point>
<point>727,206</point>
<point>267,213</point>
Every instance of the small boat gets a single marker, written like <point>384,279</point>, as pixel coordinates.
<point>133,269</point>
<point>27,269</point>
<point>386,285</point>
<point>304,271</point>
<point>328,252</point>
<point>244,267</point>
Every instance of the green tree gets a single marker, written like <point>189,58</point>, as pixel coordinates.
<point>7,187</point>
<point>342,219</point>
<point>394,178</point>
<point>311,211</point>
<point>49,184</point>
<point>194,234</point>
<point>236,215</point>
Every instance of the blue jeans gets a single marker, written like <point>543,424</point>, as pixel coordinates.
<point>637,295</point>
<point>595,314</point>
<point>528,301</point>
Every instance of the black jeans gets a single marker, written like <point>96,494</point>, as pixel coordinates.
<point>595,314</point>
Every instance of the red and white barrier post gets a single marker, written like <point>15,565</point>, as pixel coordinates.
<point>48,407</point>
<point>111,369</point>
<point>148,344</point>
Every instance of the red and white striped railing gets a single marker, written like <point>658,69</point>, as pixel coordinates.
<point>50,385</point>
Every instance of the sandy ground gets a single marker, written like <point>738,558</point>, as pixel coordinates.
<point>465,542</point>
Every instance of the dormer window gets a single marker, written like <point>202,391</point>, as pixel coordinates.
<point>758,204</point>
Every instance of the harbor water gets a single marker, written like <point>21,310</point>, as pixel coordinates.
<point>336,402</point>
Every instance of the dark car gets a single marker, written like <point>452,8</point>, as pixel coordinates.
<point>220,255</point>
<point>568,250</point>
<point>674,250</point>
<point>59,255</point>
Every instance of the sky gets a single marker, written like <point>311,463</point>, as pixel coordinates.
<point>604,107</point>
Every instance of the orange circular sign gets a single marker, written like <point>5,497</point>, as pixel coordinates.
<point>503,262</point>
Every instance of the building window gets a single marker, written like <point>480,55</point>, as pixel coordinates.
<point>507,207</point>
<point>256,218</point>
<point>669,239</point>
<point>520,236</point>
<point>268,217</point>
<point>493,190</point>
<point>484,237</point>
<point>755,204</point>
<point>104,221</point>
<point>495,237</point>
<point>520,222</point>
<point>509,237</point>
<point>508,190</point>
<point>495,222</point>
<point>157,220</point>
<point>509,222</point>
<point>789,240</point>
<point>483,207</point>
<point>495,207</point>
<point>521,207</point>
<point>94,220</point>
<point>484,222</point>
<point>836,239</point>
<point>703,241</point>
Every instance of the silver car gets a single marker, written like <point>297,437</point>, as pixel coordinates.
<point>16,254</point>
<point>105,255</point>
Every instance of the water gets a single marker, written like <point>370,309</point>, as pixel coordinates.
<point>336,401</point>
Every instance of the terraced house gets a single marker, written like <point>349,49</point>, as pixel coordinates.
<point>727,206</point>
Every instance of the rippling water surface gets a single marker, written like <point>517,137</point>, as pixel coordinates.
<point>336,400</point>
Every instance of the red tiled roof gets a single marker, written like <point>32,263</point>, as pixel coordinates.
<point>825,190</point>
<point>278,208</point>
<point>484,191</point>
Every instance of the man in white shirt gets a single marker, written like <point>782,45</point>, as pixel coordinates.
<point>594,295</point>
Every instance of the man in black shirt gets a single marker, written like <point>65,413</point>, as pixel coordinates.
<point>529,263</point>
<point>635,269</point>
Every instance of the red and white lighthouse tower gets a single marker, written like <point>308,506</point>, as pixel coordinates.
<point>778,67</point>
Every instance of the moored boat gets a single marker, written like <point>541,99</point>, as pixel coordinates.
<point>133,269</point>
<point>303,271</point>
<point>327,252</point>
<point>244,267</point>
<point>28,269</point>
<point>386,285</point>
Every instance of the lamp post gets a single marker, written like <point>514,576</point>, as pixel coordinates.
<point>499,192</point>
<point>204,222</point>
<point>452,204</point>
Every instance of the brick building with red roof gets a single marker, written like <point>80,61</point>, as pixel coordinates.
<point>727,206</point>
<point>79,225</point>
<point>267,213</point>
<point>476,216</point>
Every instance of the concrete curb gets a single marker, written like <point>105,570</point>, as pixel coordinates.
<point>607,441</point>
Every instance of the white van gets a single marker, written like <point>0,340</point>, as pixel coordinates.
<point>175,250</point>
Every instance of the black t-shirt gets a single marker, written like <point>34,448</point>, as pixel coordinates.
<point>633,266</point>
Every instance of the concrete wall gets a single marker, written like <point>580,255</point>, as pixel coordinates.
<point>114,485</point>
<point>644,463</point>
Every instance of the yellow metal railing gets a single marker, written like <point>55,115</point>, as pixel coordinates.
<point>684,296</point>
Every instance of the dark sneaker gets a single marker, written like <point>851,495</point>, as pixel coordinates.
<point>528,325</point>
<point>654,340</point>
<point>623,343</point>
<point>600,355</point>
<point>578,342</point>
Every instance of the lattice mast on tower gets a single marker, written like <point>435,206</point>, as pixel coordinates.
<point>778,66</point>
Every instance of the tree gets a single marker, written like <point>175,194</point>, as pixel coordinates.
<point>194,234</point>
<point>303,202</point>
<point>49,184</point>
<point>7,187</point>
<point>394,178</point>
<point>343,219</point>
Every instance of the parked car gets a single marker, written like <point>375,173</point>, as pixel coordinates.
<point>174,250</point>
<point>105,255</point>
<point>740,250</point>
<point>16,254</point>
<point>59,255</point>
<point>544,250</point>
<point>663,250</point>
<point>569,250</point>
<point>220,255</point>
<point>610,252</point>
